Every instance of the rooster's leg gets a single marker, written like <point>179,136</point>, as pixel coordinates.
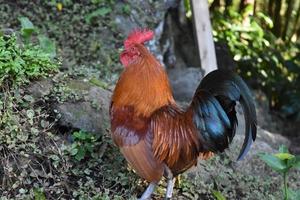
<point>148,192</point>
<point>170,182</point>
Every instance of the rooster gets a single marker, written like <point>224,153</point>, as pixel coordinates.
<point>155,135</point>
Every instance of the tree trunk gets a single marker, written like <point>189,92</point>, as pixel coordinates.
<point>288,15</point>
<point>295,24</point>
<point>243,4</point>
<point>298,34</point>
<point>204,35</point>
<point>271,9</point>
<point>277,18</point>
<point>254,7</point>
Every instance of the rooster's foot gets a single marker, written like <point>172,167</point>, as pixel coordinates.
<point>148,192</point>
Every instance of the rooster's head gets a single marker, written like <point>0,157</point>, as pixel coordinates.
<point>135,39</point>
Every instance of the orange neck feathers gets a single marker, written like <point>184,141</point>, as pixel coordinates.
<point>144,85</point>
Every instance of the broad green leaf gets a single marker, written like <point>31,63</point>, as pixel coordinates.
<point>47,46</point>
<point>284,156</point>
<point>297,163</point>
<point>27,27</point>
<point>218,195</point>
<point>293,195</point>
<point>274,162</point>
<point>297,195</point>
<point>80,135</point>
<point>283,149</point>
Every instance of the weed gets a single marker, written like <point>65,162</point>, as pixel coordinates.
<point>282,163</point>
<point>83,145</point>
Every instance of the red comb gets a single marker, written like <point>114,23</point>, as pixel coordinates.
<point>138,36</point>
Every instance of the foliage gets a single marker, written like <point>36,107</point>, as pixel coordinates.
<point>268,63</point>
<point>21,62</point>
<point>218,195</point>
<point>83,145</point>
<point>283,162</point>
<point>27,27</point>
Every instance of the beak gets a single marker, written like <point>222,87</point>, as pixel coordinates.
<point>124,58</point>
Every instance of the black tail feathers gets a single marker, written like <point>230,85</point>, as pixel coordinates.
<point>213,106</point>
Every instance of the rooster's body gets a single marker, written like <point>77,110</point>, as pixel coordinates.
<point>158,138</point>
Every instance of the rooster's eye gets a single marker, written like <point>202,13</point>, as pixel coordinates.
<point>134,51</point>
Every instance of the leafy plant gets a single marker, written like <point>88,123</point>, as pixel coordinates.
<point>20,64</point>
<point>283,162</point>
<point>269,64</point>
<point>83,145</point>
<point>27,31</point>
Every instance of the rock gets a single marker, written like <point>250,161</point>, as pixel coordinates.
<point>179,48</point>
<point>184,82</point>
<point>265,142</point>
<point>90,114</point>
<point>124,24</point>
<point>41,88</point>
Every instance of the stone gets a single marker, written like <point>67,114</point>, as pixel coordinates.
<point>41,88</point>
<point>91,113</point>
<point>184,82</point>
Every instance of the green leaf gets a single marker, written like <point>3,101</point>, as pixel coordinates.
<point>126,9</point>
<point>89,147</point>
<point>274,162</point>
<point>80,154</point>
<point>283,149</point>
<point>47,45</point>
<point>293,195</point>
<point>284,156</point>
<point>297,163</point>
<point>99,12</point>
<point>27,27</point>
<point>218,195</point>
<point>98,83</point>
<point>54,157</point>
<point>267,19</point>
<point>38,194</point>
<point>80,135</point>
<point>74,151</point>
<point>28,98</point>
<point>30,114</point>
